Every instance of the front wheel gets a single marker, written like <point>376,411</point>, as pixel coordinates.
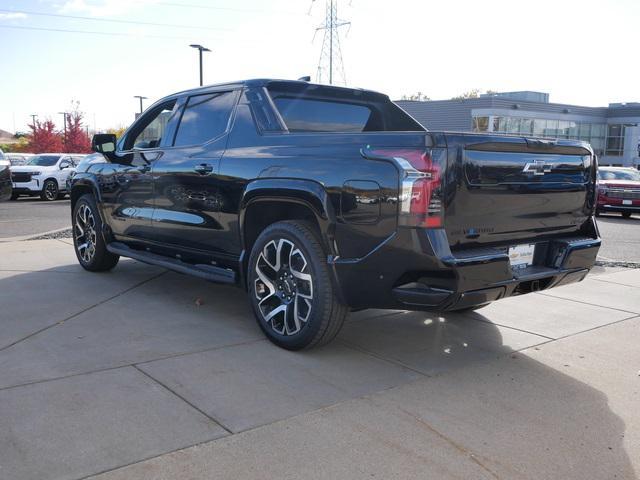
<point>88,242</point>
<point>50,191</point>
<point>290,288</point>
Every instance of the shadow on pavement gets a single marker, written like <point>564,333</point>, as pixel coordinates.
<point>517,417</point>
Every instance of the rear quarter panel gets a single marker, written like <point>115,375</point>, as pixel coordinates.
<point>331,160</point>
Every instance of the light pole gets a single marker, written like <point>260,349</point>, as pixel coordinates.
<point>141,98</point>
<point>200,50</point>
<point>64,116</point>
<point>33,118</point>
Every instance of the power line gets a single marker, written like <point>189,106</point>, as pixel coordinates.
<point>129,22</point>
<point>230,9</point>
<point>92,32</point>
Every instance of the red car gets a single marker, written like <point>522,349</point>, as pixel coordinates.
<point>618,190</point>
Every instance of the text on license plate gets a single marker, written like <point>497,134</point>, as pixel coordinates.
<point>521,256</point>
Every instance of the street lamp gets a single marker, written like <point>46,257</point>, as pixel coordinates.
<point>64,116</point>
<point>141,98</point>
<point>200,50</point>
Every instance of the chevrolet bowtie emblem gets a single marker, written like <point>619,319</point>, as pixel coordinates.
<point>538,167</point>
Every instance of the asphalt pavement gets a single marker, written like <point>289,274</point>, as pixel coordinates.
<point>620,238</point>
<point>31,216</point>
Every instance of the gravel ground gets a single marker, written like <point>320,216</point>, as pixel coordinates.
<point>67,233</point>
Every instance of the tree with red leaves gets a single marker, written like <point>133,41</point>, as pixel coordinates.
<point>77,139</point>
<point>44,137</point>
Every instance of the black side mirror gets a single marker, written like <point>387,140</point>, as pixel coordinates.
<point>103,143</point>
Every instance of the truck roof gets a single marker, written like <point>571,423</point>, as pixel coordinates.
<point>263,82</point>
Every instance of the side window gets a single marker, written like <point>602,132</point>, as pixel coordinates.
<point>153,128</point>
<point>205,117</point>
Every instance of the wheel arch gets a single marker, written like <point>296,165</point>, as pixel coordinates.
<point>271,200</point>
<point>82,186</point>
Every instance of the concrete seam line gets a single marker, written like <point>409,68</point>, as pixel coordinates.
<point>616,283</point>
<point>587,303</point>
<point>106,369</point>
<point>81,312</point>
<point>598,327</point>
<point>151,457</point>
<point>166,387</point>
<point>486,320</point>
<point>392,361</point>
<point>460,448</point>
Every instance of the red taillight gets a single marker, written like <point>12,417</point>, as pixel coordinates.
<point>421,195</point>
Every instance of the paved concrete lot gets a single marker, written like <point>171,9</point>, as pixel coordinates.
<point>144,374</point>
<point>30,216</point>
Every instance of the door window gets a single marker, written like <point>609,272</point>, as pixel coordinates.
<point>205,117</point>
<point>152,128</point>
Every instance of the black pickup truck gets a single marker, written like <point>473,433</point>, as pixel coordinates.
<point>319,200</point>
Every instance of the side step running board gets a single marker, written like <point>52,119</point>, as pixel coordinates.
<point>206,272</point>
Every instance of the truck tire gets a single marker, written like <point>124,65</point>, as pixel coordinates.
<point>88,241</point>
<point>50,190</point>
<point>626,214</point>
<point>290,288</point>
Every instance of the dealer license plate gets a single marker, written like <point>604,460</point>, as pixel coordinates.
<point>521,256</point>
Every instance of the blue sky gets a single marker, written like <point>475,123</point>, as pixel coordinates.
<point>582,52</point>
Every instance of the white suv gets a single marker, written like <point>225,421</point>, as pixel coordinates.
<point>44,174</point>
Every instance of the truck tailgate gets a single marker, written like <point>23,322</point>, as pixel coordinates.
<point>506,189</point>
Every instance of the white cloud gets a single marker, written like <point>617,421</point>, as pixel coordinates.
<point>12,16</point>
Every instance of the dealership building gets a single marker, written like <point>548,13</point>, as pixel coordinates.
<point>613,131</point>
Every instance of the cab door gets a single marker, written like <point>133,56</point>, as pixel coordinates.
<point>127,182</point>
<point>188,198</point>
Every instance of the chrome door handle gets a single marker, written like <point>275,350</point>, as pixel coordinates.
<point>203,168</point>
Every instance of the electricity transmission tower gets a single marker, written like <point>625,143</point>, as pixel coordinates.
<point>330,66</point>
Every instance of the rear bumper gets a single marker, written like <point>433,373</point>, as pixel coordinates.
<point>618,208</point>
<point>415,270</point>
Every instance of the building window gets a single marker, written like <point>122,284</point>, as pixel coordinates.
<point>615,140</point>
<point>480,124</point>
<point>593,133</point>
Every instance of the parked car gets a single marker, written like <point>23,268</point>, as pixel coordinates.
<point>319,200</point>
<point>82,166</point>
<point>44,174</point>
<point>5,178</point>
<point>618,190</point>
<point>17,159</point>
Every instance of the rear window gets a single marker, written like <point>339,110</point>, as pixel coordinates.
<point>302,115</point>
<point>629,174</point>
<point>318,108</point>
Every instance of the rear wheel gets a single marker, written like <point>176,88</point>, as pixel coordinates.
<point>14,196</point>
<point>88,242</point>
<point>290,288</point>
<point>50,190</point>
<point>626,214</point>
